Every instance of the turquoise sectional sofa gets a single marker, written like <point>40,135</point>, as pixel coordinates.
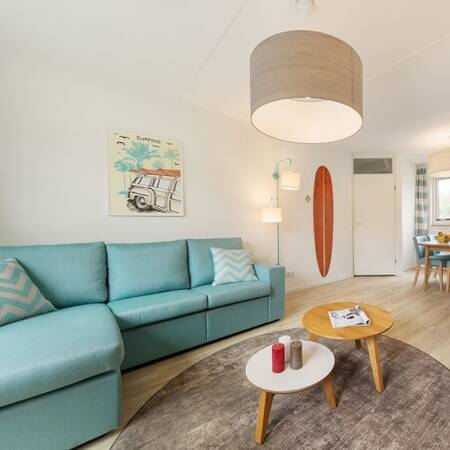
<point>119,306</point>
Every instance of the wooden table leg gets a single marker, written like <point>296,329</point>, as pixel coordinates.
<point>358,343</point>
<point>312,337</point>
<point>427,268</point>
<point>372,346</point>
<point>265,403</point>
<point>329,391</point>
<point>448,279</point>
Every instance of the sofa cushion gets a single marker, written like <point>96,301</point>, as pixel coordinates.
<point>146,309</point>
<point>226,294</point>
<point>231,266</point>
<point>141,269</point>
<point>201,269</point>
<point>19,296</point>
<point>57,349</point>
<point>68,274</point>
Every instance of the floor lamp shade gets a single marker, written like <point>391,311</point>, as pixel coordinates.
<point>271,215</point>
<point>306,87</point>
<point>439,164</point>
<point>290,181</point>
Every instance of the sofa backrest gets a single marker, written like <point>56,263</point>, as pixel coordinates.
<point>147,268</point>
<point>201,269</point>
<point>67,274</point>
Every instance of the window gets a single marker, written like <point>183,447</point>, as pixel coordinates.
<point>372,165</point>
<point>145,181</point>
<point>441,201</point>
<point>164,183</point>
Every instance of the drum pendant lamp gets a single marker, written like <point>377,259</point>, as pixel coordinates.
<point>306,87</point>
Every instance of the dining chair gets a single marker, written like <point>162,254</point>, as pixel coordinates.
<point>438,261</point>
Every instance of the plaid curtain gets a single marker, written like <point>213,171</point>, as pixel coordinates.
<point>421,219</point>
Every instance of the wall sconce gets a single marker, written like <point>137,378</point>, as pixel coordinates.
<point>288,180</point>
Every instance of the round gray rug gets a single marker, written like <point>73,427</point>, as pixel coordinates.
<point>211,405</point>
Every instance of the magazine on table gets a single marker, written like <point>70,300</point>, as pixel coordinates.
<point>349,317</point>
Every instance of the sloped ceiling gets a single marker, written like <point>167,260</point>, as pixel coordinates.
<point>197,51</point>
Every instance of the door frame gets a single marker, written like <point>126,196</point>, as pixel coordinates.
<point>397,201</point>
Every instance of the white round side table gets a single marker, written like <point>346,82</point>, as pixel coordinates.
<point>318,362</point>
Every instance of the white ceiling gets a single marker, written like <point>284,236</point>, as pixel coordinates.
<point>197,51</point>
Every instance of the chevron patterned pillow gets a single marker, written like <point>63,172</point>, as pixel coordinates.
<point>19,296</point>
<point>231,266</point>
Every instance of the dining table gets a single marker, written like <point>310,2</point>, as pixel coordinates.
<point>428,248</point>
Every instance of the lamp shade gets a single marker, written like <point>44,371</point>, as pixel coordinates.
<point>439,164</point>
<point>271,215</point>
<point>306,87</point>
<point>290,181</point>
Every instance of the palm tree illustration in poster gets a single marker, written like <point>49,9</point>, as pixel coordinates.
<point>145,175</point>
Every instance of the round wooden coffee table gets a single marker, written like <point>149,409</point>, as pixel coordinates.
<point>318,362</point>
<point>317,322</point>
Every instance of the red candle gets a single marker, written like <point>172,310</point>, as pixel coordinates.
<point>277,358</point>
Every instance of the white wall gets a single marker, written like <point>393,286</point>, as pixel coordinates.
<point>297,232</point>
<point>53,185</point>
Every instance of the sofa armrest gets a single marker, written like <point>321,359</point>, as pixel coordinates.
<point>275,275</point>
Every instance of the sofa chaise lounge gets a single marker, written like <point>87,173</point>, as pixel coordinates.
<point>119,306</point>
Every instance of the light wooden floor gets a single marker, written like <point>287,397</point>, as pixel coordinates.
<point>421,318</point>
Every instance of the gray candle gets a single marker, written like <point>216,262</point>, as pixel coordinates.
<point>296,359</point>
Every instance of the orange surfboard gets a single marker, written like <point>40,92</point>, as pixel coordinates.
<point>323,218</point>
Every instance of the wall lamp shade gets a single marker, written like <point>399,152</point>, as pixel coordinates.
<point>439,164</point>
<point>290,181</point>
<point>271,215</point>
<point>306,87</point>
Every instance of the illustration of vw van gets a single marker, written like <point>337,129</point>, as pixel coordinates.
<point>159,190</point>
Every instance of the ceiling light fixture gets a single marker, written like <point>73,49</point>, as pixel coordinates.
<point>306,87</point>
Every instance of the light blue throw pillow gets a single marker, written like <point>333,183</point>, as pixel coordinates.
<point>231,266</point>
<point>19,296</point>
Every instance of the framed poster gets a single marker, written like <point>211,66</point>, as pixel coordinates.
<point>145,175</point>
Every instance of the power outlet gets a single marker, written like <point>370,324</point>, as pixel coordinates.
<point>290,274</point>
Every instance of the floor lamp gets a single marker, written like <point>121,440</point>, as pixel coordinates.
<point>289,181</point>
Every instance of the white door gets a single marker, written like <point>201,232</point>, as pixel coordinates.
<point>374,223</point>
